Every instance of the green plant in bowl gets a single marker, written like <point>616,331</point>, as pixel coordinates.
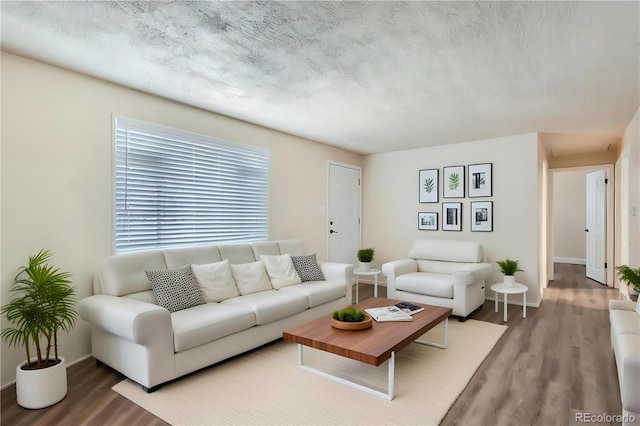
<point>349,314</point>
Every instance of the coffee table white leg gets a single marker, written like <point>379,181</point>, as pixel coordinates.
<point>505,307</point>
<point>524,305</point>
<point>357,286</point>
<point>445,333</point>
<point>496,300</point>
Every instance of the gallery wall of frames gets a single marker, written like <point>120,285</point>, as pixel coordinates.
<point>473,181</point>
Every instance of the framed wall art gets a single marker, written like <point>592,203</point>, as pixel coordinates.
<point>480,180</point>
<point>482,216</point>
<point>452,216</point>
<point>428,186</point>
<point>453,182</point>
<point>427,221</point>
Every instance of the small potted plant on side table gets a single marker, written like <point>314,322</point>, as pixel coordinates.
<point>509,268</point>
<point>365,257</point>
<point>42,304</point>
<point>631,277</point>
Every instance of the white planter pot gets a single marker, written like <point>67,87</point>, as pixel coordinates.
<point>364,267</point>
<point>509,280</point>
<point>41,388</point>
<point>632,291</point>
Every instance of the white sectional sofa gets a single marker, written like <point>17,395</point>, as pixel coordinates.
<point>438,272</point>
<point>625,340</point>
<point>152,345</point>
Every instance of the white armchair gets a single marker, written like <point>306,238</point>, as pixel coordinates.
<point>442,273</point>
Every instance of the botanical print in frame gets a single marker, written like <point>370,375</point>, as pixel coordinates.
<point>453,182</point>
<point>482,216</point>
<point>480,180</point>
<point>428,186</point>
<point>452,216</point>
<point>428,221</point>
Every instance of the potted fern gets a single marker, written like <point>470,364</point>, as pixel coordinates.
<point>509,267</point>
<point>630,276</point>
<point>365,257</point>
<point>41,306</point>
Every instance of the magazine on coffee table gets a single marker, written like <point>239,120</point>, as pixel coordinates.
<point>409,307</point>
<point>388,313</point>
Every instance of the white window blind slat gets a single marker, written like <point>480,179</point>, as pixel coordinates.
<point>175,188</point>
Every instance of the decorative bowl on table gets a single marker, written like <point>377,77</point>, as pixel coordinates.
<point>350,319</point>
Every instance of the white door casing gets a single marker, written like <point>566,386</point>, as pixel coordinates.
<point>596,226</point>
<point>343,225</point>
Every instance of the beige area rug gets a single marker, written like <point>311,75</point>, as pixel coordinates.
<point>266,387</point>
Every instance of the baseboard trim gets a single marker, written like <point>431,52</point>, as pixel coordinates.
<point>571,260</point>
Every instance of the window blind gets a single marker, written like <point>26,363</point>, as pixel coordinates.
<point>174,188</point>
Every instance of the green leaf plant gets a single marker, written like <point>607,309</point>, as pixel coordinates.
<point>509,266</point>
<point>454,181</point>
<point>428,185</point>
<point>366,254</point>
<point>42,304</point>
<point>349,314</point>
<point>629,275</point>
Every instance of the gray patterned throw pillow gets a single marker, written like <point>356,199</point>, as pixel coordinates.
<point>176,289</point>
<point>307,267</point>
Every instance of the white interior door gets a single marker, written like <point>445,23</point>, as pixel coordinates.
<point>343,213</point>
<point>596,226</point>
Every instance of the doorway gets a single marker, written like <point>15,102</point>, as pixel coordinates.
<point>583,220</point>
<point>343,227</point>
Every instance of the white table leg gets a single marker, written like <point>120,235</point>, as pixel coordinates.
<point>505,307</point>
<point>524,305</point>
<point>375,285</point>
<point>496,300</point>
<point>357,286</point>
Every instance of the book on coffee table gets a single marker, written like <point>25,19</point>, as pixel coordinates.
<point>409,307</point>
<point>388,313</point>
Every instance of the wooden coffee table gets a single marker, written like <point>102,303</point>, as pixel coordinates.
<point>374,345</point>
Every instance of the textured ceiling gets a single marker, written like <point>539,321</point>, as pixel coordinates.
<point>370,77</point>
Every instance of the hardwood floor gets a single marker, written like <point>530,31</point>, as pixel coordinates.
<point>546,368</point>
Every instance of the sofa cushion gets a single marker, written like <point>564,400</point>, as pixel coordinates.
<point>318,292</point>
<point>124,273</point>
<point>429,284</point>
<point>280,270</point>
<point>250,277</point>
<point>269,248</point>
<point>624,322</point>
<point>175,289</point>
<point>307,267</point>
<point>206,323</point>
<point>237,253</point>
<point>216,281</point>
<point>294,247</point>
<point>269,306</point>
<point>200,255</point>
<point>446,250</point>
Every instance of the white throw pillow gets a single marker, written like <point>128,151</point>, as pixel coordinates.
<point>251,277</point>
<point>281,270</point>
<point>216,281</point>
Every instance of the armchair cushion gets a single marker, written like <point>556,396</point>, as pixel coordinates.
<point>427,283</point>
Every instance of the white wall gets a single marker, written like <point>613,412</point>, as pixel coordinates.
<point>628,198</point>
<point>569,216</point>
<point>390,202</point>
<point>57,175</point>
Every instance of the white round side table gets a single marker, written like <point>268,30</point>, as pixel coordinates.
<point>372,272</point>
<point>517,288</point>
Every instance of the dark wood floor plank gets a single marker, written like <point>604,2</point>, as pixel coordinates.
<point>546,368</point>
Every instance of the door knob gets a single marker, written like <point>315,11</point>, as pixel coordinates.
<point>333,232</point>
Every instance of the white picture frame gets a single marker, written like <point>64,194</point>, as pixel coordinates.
<point>481,218</point>
<point>453,180</point>
<point>480,178</point>
<point>452,216</point>
<point>428,186</point>
<point>427,221</point>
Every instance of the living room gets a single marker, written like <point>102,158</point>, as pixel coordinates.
<point>57,174</point>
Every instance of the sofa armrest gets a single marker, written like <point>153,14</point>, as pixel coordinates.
<point>630,389</point>
<point>339,272</point>
<point>622,305</point>
<point>139,322</point>
<point>472,273</point>
<point>394,269</point>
